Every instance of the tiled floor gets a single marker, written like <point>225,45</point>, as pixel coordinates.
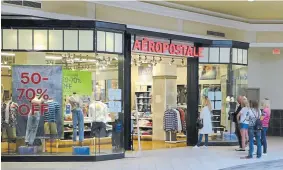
<point>213,158</point>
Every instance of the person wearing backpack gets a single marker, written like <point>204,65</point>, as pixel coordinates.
<point>254,130</point>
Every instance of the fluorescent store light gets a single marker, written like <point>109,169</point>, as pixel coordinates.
<point>7,54</point>
<point>5,66</point>
<point>51,57</point>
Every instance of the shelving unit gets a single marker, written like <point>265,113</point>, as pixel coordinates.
<point>216,118</point>
<point>143,102</point>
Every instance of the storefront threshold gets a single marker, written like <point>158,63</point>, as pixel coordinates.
<point>57,158</point>
<point>222,143</point>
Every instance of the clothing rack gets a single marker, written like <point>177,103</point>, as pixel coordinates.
<point>171,136</point>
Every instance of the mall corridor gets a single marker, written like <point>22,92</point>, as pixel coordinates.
<point>213,158</point>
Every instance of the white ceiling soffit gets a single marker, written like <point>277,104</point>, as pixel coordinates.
<point>190,16</point>
<point>216,14</point>
<point>14,10</point>
<point>271,45</point>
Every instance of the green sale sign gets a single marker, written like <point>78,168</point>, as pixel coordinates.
<point>77,81</point>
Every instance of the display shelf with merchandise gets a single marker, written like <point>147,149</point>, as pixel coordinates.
<point>142,116</point>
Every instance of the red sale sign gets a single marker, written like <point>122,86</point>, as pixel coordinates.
<point>30,94</point>
<point>33,86</point>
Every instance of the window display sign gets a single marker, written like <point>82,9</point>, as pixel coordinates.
<point>77,81</point>
<point>208,72</point>
<point>36,89</point>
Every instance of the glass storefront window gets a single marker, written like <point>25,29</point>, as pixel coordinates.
<point>62,103</point>
<point>240,79</point>
<point>213,84</point>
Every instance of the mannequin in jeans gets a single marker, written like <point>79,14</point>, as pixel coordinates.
<point>33,122</point>
<point>78,117</point>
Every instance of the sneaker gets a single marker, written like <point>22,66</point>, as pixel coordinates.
<point>264,154</point>
<point>240,149</point>
<point>196,147</point>
<point>204,147</point>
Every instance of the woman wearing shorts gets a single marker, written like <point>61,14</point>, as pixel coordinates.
<point>243,119</point>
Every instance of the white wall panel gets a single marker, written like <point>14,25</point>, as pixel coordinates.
<point>70,39</point>
<point>40,39</point>
<point>55,39</point>
<point>25,39</point>
<point>86,40</point>
<point>9,39</point>
<point>265,72</point>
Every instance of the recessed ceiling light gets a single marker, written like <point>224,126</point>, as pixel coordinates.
<point>50,57</point>
<point>251,0</point>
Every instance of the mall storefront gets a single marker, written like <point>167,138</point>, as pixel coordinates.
<point>48,63</point>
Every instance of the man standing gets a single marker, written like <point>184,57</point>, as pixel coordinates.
<point>237,127</point>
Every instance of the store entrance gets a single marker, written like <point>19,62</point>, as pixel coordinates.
<point>159,88</point>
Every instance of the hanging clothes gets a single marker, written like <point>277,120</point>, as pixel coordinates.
<point>183,119</point>
<point>170,120</point>
<point>179,129</point>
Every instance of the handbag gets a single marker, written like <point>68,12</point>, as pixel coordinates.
<point>199,123</point>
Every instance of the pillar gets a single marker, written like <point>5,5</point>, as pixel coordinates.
<point>192,100</point>
<point>164,92</point>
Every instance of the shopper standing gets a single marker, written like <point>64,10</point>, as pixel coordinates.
<point>266,112</point>
<point>235,120</point>
<point>205,116</point>
<point>253,131</point>
<point>243,119</point>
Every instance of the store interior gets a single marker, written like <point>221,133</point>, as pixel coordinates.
<point>159,84</point>
<point>96,74</point>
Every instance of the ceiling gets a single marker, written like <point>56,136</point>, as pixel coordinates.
<point>256,10</point>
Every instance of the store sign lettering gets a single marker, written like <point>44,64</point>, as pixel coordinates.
<point>146,45</point>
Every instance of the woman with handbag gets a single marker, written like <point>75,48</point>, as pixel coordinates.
<point>205,123</point>
<point>265,117</point>
<point>254,130</point>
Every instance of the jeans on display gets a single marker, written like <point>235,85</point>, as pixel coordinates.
<point>32,125</point>
<point>78,123</point>
<point>252,134</point>
<point>98,129</point>
<point>263,139</point>
<point>200,139</point>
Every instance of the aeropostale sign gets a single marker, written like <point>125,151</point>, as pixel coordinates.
<point>151,46</point>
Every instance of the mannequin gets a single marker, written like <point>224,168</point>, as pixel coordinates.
<point>50,126</point>
<point>98,112</point>
<point>33,121</point>
<point>9,113</point>
<point>78,117</point>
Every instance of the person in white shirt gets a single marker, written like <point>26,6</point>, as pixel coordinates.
<point>243,119</point>
<point>205,115</point>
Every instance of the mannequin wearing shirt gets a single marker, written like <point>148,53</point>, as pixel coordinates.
<point>98,112</point>
<point>50,127</point>
<point>9,114</point>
